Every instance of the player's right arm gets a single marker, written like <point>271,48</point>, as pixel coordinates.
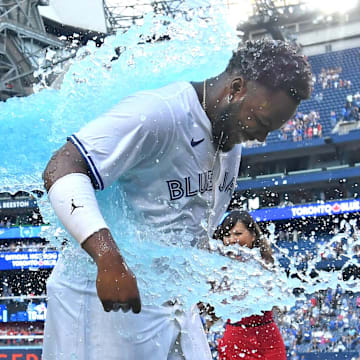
<point>68,171</point>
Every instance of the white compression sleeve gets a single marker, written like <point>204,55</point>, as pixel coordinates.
<point>73,200</point>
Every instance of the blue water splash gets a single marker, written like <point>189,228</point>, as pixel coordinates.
<point>34,127</point>
<point>37,125</point>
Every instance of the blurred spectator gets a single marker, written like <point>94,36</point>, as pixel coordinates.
<point>350,112</point>
<point>354,115</point>
<point>333,119</point>
<point>357,99</point>
<point>346,111</point>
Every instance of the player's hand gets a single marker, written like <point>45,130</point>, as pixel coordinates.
<point>116,285</point>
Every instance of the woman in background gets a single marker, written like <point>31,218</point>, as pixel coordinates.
<point>256,336</point>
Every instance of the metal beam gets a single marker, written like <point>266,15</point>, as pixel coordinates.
<point>23,39</point>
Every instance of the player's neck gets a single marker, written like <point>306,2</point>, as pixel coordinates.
<point>211,92</point>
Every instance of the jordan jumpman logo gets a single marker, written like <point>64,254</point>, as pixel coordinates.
<point>73,206</point>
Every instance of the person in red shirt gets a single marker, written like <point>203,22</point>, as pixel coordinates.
<point>256,336</point>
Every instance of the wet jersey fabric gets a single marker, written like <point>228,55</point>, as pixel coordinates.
<point>78,328</point>
<point>158,144</point>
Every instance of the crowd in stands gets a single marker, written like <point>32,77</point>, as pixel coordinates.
<point>22,244</point>
<point>350,111</point>
<point>25,220</point>
<point>21,333</point>
<point>301,127</point>
<point>327,321</point>
<point>17,247</point>
<point>8,288</point>
<point>5,222</point>
<point>330,78</point>
<point>9,222</point>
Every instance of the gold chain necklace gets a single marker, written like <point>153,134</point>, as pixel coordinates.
<point>204,96</point>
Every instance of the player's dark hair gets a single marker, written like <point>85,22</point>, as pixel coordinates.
<point>247,220</point>
<point>274,64</point>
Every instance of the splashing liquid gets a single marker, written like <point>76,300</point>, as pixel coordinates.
<point>34,127</point>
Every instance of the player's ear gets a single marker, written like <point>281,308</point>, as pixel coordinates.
<point>238,87</point>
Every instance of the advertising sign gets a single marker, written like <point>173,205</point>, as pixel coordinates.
<point>20,353</point>
<point>301,211</point>
<point>26,260</point>
<point>17,204</point>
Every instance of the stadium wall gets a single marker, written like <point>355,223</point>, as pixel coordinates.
<point>328,356</point>
<point>341,37</point>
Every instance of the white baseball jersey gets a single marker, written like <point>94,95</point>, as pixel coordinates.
<point>159,145</point>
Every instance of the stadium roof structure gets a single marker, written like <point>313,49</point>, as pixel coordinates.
<point>282,18</point>
<point>79,14</point>
<point>23,38</point>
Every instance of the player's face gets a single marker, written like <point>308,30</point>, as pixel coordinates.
<point>251,114</point>
<point>239,234</point>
